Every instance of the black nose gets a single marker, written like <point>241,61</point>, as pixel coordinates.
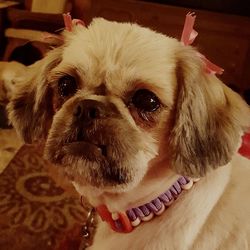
<point>86,111</point>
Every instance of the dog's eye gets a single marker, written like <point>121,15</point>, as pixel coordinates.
<point>67,86</point>
<point>145,100</point>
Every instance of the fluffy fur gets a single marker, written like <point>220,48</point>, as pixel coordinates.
<point>123,156</point>
<point>10,72</point>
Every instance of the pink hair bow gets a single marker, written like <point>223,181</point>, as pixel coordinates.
<point>187,38</point>
<point>69,23</point>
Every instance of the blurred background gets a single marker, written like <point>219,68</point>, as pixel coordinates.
<point>36,213</point>
<point>223,26</point>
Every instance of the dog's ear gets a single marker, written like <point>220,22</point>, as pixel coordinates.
<point>208,121</point>
<point>31,106</point>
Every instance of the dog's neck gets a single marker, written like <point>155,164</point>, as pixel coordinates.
<point>125,222</point>
<point>151,187</point>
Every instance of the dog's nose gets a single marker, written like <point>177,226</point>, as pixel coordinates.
<point>88,110</point>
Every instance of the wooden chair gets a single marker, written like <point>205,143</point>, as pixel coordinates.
<point>30,24</point>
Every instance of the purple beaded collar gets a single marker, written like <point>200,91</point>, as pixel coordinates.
<point>133,217</point>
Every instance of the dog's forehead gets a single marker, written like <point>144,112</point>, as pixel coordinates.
<point>110,52</point>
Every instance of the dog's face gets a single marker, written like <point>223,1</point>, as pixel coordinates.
<point>116,99</point>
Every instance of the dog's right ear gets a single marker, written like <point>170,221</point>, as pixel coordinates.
<point>30,109</point>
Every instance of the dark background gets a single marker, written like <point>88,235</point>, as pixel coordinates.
<point>241,7</point>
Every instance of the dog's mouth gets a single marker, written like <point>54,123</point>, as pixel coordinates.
<point>95,164</point>
<point>86,147</point>
<point>91,151</point>
<point>108,155</point>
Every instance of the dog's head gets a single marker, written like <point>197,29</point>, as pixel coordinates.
<point>117,98</point>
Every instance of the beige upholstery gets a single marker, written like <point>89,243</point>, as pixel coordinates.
<point>48,6</point>
<point>42,17</point>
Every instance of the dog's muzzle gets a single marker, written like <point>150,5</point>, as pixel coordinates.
<point>87,111</point>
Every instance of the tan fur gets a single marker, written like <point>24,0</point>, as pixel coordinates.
<point>196,131</point>
<point>10,72</point>
<point>9,145</point>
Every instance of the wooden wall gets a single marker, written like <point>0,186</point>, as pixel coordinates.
<point>224,39</point>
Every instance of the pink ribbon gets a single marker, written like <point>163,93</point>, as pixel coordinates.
<point>187,38</point>
<point>69,23</point>
<point>189,34</point>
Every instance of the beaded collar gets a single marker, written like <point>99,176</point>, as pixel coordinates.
<point>125,222</point>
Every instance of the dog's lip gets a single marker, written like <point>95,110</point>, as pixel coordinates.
<point>81,148</point>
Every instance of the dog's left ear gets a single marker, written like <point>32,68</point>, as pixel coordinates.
<point>209,118</point>
<point>31,106</point>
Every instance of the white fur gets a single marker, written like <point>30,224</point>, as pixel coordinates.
<point>214,214</point>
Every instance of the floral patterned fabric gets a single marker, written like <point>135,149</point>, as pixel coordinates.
<point>35,213</point>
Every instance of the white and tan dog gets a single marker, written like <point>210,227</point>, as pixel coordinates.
<point>124,111</point>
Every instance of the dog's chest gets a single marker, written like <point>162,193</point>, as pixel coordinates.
<point>208,217</point>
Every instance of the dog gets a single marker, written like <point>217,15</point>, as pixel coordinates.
<point>133,120</point>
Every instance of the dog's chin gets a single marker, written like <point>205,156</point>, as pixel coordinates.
<point>111,155</point>
<point>89,164</point>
